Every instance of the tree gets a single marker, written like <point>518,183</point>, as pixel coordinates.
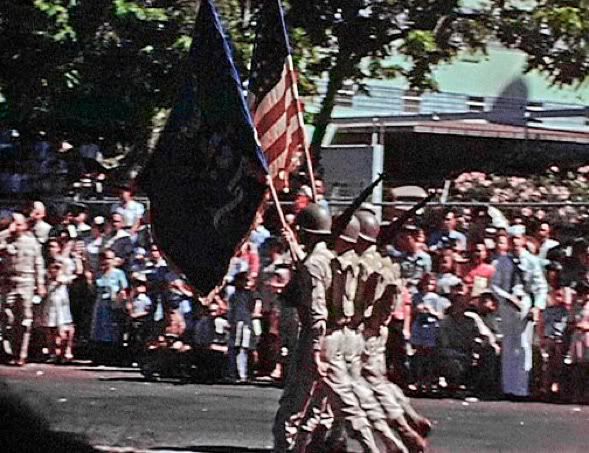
<point>112,67</point>
<point>87,68</point>
<point>553,33</point>
<point>355,39</point>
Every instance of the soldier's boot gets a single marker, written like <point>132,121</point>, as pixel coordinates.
<point>412,440</point>
<point>421,424</point>
<point>24,348</point>
<point>390,439</point>
<point>366,439</point>
<point>337,440</point>
<point>302,441</point>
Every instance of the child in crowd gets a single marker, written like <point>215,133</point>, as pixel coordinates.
<point>242,305</point>
<point>428,310</point>
<point>556,320</point>
<point>139,307</point>
<point>209,340</point>
<point>579,351</point>
<point>56,314</point>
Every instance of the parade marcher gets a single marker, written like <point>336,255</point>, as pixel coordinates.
<point>336,346</point>
<point>380,282</point>
<point>25,278</point>
<point>344,394</point>
<point>307,292</point>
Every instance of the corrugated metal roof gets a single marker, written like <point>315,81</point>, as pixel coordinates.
<point>490,130</point>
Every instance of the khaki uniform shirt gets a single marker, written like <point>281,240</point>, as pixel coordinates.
<point>316,279</point>
<point>392,284</point>
<point>23,260</point>
<point>341,294</point>
<point>370,278</point>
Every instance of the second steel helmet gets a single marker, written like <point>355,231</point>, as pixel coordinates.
<point>351,231</point>
<point>314,219</point>
<point>369,226</point>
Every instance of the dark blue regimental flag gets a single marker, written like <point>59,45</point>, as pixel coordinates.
<point>273,96</point>
<point>207,176</point>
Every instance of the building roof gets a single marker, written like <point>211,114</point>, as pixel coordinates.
<point>490,130</point>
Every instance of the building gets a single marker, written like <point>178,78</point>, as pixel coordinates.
<point>488,115</point>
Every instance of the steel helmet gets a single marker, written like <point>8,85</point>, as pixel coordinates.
<point>369,226</point>
<point>314,219</point>
<point>351,231</point>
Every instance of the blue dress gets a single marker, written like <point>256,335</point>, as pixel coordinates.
<point>106,317</point>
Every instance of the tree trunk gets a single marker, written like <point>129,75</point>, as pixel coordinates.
<point>337,76</point>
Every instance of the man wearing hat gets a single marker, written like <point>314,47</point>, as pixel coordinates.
<point>415,263</point>
<point>25,269</point>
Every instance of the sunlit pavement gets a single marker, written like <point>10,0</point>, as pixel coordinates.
<point>116,409</point>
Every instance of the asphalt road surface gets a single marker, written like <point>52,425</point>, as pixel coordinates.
<point>113,407</point>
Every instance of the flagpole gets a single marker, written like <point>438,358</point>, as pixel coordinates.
<point>302,127</point>
<point>291,247</point>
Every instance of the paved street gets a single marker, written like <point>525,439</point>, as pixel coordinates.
<point>117,407</point>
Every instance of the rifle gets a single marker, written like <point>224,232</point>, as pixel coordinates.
<point>345,217</point>
<point>388,233</point>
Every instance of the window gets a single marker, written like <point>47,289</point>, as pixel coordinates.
<point>476,104</point>
<point>411,102</point>
<point>345,95</point>
<point>534,107</point>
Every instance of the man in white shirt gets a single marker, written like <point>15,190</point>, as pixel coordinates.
<point>131,210</point>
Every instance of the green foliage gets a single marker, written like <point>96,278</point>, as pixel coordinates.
<point>124,8</point>
<point>81,68</point>
<point>59,12</point>
<point>108,67</point>
<point>554,34</point>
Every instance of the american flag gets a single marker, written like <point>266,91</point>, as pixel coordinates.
<point>273,95</point>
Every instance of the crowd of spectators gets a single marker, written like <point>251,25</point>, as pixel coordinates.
<point>48,165</point>
<point>494,305</point>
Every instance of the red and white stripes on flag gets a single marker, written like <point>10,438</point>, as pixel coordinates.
<point>278,118</point>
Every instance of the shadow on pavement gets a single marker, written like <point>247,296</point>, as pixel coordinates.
<point>22,430</point>
<point>215,449</point>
